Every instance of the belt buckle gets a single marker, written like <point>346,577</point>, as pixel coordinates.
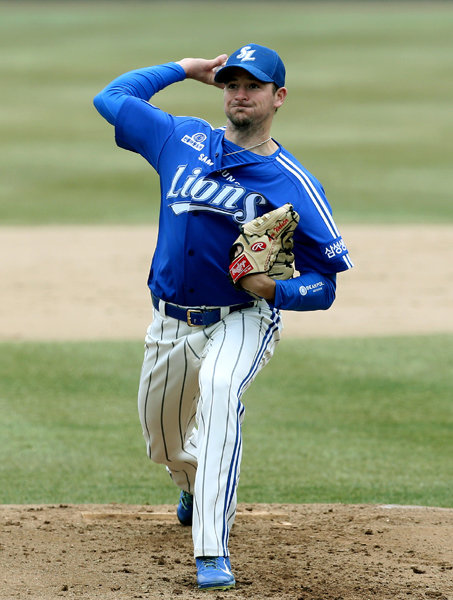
<point>194,311</point>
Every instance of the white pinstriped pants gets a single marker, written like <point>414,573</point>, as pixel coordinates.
<point>190,408</point>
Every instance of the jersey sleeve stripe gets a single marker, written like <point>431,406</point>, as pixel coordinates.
<point>348,261</point>
<point>312,192</point>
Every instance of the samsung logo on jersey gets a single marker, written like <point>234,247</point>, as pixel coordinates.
<point>192,192</point>
<point>206,160</point>
<point>228,176</point>
<point>335,249</point>
<point>195,141</point>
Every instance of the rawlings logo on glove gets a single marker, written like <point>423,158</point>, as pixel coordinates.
<point>265,246</point>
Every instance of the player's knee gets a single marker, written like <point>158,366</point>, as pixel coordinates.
<point>221,385</point>
<point>165,453</point>
<point>223,390</point>
<point>156,451</point>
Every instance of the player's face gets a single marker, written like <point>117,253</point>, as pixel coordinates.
<point>249,102</point>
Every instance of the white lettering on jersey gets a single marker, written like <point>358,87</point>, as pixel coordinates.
<point>336,248</point>
<point>183,191</point>
<point>203,189</point>
<point>211,195</point>
<point>228,196</point>
<point>228,176</point>
<point>246,54</point>
<point>206,160</point>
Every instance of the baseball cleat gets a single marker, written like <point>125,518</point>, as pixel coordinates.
<point>214,573</point>
<point>185,508</point>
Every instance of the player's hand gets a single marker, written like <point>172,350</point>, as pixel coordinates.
<point>202,69</point>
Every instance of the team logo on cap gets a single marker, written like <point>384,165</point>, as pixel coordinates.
<point>246,53</point>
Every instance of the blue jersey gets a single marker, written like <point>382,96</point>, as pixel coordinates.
<point>208,190</point>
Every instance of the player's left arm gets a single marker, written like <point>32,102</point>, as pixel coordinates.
<point>262,262</point>
<point>306,292</point>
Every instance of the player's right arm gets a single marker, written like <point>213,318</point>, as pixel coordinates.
<point>145,83</point>
<point>141,84</point>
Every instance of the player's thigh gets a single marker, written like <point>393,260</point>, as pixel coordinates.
<point>239,347</point>
<point>169,377</point>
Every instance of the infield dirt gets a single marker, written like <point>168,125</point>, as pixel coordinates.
<point>283,552</point>
<point>90,283</point>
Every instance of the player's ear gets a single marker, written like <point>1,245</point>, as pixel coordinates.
<point>279,97</point>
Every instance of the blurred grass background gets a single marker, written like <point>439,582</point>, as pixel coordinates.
<point>368,112</point>
<point>326,421</point>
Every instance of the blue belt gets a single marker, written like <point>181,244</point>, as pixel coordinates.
<point>197,316</point>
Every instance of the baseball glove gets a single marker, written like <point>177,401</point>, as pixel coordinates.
<point>265,246</point>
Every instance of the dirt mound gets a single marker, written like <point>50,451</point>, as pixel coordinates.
<point>283,552</point>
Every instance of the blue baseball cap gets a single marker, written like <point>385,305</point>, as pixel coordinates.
<point>261,62</point>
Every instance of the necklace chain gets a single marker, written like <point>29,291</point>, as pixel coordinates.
<point>249,148</point>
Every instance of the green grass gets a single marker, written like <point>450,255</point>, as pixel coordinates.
<point>369,106</point>
<point>327,421</point>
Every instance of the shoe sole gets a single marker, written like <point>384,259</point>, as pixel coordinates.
<point>218,588</point>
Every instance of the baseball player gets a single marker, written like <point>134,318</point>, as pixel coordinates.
<point>209,338</point>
